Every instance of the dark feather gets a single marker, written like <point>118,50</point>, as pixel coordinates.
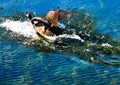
<point>38,21</point>
<point>63,14</point>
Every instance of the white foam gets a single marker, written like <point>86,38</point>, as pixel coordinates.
<point>21,27</point>
<point>51,37</point>
<point>73,36</point>
<point>106,45</point>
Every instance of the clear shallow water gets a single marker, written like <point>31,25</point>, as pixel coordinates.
<point>87,53</point>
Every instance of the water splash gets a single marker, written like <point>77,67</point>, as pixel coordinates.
<point>73,36</point>
<point>106,45</point>
<point>20,27</point>
<point>80,39</point>
<point>25,28</point>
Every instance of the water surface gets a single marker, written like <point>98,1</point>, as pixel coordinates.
<point>88,53</point>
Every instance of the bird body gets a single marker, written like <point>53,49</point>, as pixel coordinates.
<point>48,26</point>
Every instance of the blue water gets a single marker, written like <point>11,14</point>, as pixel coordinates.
<point>38,63</point>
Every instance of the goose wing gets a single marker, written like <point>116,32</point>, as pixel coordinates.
<point>58,14</point>
<point>54,16</point>
<point>63,14</point>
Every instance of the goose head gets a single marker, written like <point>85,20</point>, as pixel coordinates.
<point>28,15</point>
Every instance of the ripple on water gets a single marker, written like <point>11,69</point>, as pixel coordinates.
<point>76,56</point>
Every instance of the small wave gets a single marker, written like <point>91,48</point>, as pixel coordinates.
<point>106,45</point>
<point>73,36</point>
<point>20,27</point>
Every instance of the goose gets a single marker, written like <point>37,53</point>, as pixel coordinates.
<point>48,26</point>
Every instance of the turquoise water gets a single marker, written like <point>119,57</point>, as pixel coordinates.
<point>88,53</point>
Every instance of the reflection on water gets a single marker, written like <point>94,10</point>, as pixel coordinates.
<point>67,60</point>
